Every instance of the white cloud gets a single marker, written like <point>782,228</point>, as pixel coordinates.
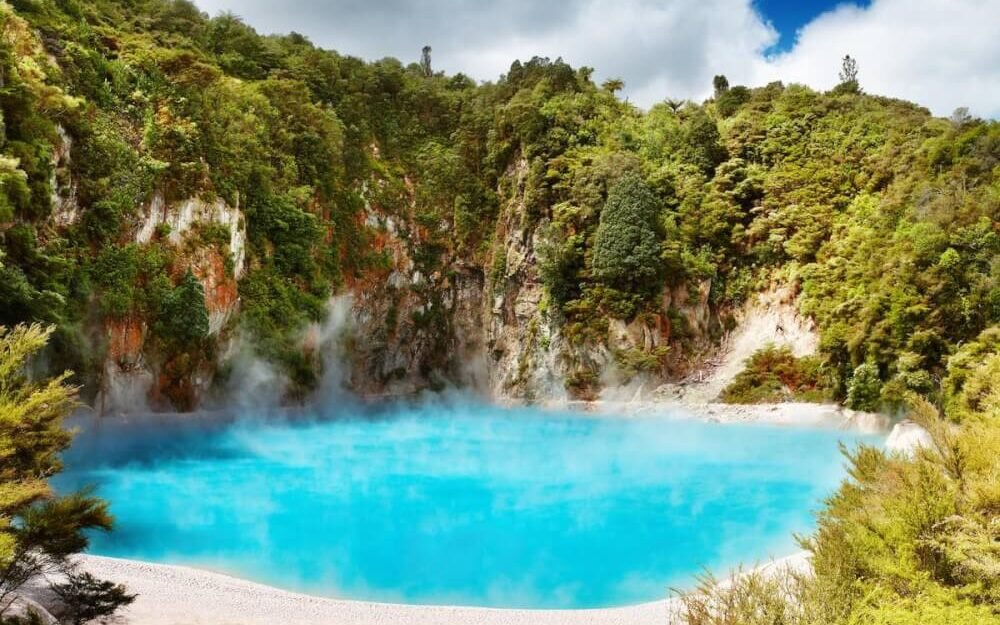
<point>659,49</point>
<point>939,53</point>
<point>942,54</point>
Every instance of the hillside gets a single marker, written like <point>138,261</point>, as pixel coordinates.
<point>206,216</point>
<point>183,198</point>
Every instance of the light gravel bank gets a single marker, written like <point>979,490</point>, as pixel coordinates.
<point>176,595</point>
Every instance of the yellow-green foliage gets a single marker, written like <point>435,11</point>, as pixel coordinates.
<point>917,538</point>
<point>971,386</point>
<point>39,530</point>
<point>905,540</point>
<point>778,597</point>
<point>31,433</point>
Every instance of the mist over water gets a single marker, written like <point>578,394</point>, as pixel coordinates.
<point>455,502</point>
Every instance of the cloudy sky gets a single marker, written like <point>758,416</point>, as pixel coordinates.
<point>940,53</point>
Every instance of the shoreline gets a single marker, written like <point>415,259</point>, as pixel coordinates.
<point>181,595</point>
<point>185,595</point>
<point>788,414</point>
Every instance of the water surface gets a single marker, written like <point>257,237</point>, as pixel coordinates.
<point>457,503</point>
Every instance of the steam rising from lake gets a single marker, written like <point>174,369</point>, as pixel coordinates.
<point>455,502</point>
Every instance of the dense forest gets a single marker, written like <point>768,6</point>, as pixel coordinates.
<point>332,172</point>
<point>178,191</point>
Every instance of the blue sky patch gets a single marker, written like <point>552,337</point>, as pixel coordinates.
<point>788,16</point>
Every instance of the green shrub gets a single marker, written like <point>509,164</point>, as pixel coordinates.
<point>627,244</point>
<point>634,361</point>
<point>774,374</point>
<point>906,540</point>
<point>777,597</point>
<point>183,318</point>
<point>971,385</point>
<point>731,100</point>
<point>865,388</point>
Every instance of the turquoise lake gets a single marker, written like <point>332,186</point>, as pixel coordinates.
<point>457,503</point>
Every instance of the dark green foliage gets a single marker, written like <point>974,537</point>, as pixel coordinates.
<point>561,263</point>
<point>627,243</point>
<point>731,100</point>
<point>183,317</point>
<point>425,62</point>
<point>31,618</point>
<point>239,49</point>
<point>721,85</point>
<point>85,598</point>
<point>703,147</point>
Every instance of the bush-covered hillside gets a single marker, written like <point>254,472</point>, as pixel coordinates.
<point>341,172</point>
<point>905,540</point>
<point>179,193</point>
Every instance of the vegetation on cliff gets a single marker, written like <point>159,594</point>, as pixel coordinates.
<point>774,374</point>
<point>884,216</point>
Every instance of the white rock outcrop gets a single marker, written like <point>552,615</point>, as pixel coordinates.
<point>65,208</point>
<point>772,318</point>
<point>182,216</point>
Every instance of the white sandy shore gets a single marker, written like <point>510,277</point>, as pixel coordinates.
<point>796,414</point>
<point>176,595</point>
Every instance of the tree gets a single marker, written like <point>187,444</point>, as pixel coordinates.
<point>184,318</point>
<point>39,531</point>
<point>674,104</point>
<point>613,85</point>
<point>703,142</point>
<point>86,598</point>
<point>961,118</point>
<point>721,85</point>
<point>848,76</point>
<point>731,100</point>
<point>425,62</point>
<point>239,49</point>
<point>627,244</point>
<point>865,388</point>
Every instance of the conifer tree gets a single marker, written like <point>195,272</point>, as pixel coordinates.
<point>40,530</point>
<point>627,244</point>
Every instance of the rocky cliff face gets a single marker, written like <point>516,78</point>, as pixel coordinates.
<point>522,341</point>
<point>134,377</point>
<point>65,209</point>
<point>416,324</point>
<point>411,325</point>
<point>489,327</point>
<point>771,317</point>
<point>530,358</point>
